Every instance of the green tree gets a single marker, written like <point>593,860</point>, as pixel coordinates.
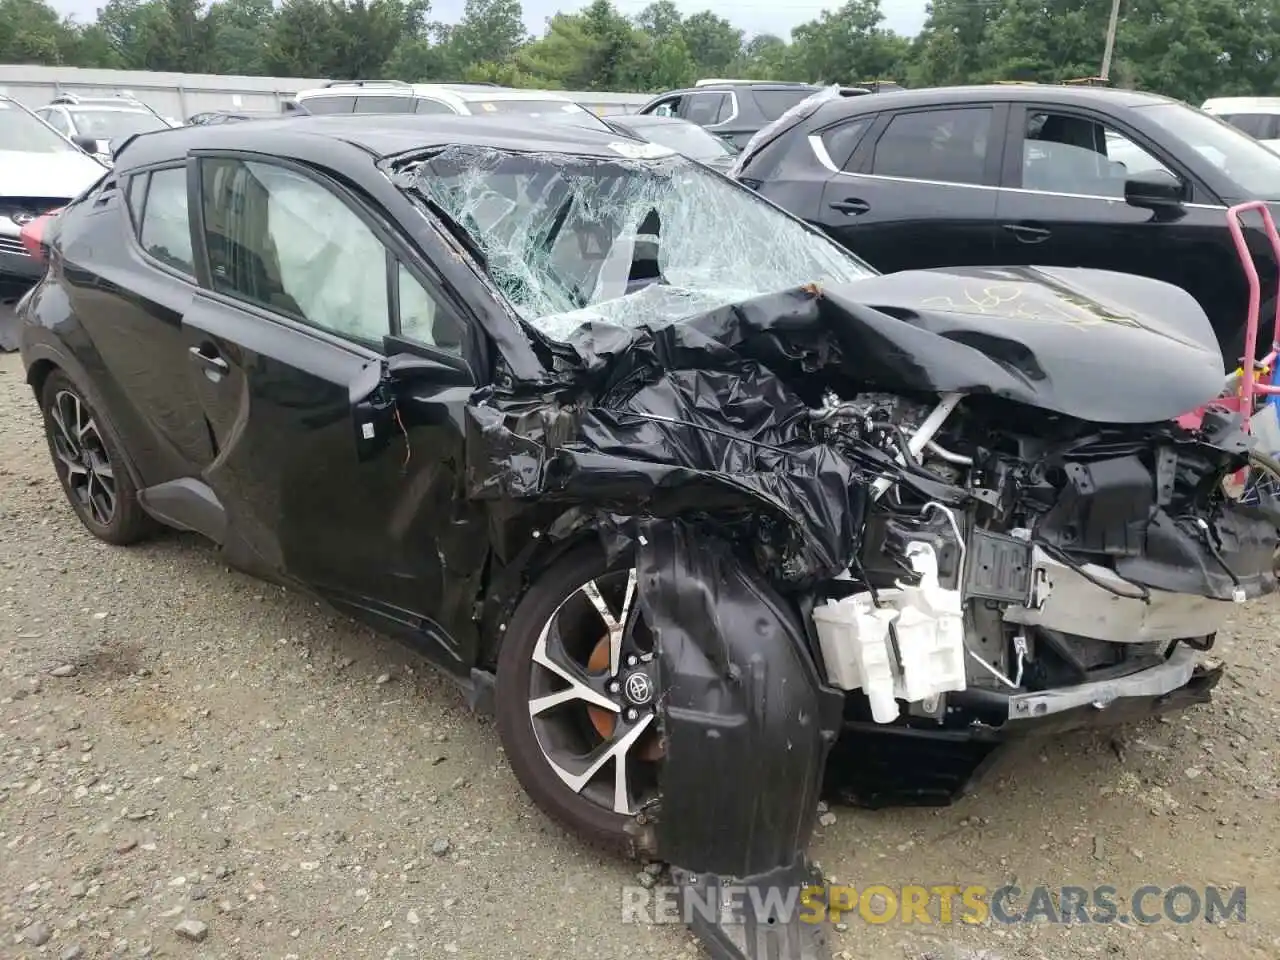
<point>713,42</point>
<point>1195,50</point>
<point>241,29</point>
<point>565,57</point>
<point>1045,40</point>
<point>343,39</point>
<point>490,31</point>
<point>951,45</point>
<point>31,32</point>
<point>848,45</point>
<point>660,20</point>
<point>763,57</point>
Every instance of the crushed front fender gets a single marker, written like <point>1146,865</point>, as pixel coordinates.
<point>747,726</point>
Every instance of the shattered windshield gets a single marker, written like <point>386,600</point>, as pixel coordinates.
<point>628,241</point>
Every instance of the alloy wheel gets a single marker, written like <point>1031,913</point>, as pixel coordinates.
<point>81,458</point>
<point>593,696</point>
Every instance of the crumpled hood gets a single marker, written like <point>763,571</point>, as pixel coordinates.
<point>66,174</point>
<point>1092,344</point>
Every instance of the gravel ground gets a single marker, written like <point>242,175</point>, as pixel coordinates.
<point>195,764</point>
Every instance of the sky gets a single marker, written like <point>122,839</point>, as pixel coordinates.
<point>753,16</point>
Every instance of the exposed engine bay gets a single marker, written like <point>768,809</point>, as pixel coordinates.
<point>1087,554</point>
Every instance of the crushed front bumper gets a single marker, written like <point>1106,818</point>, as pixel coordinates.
<point>876,766</point>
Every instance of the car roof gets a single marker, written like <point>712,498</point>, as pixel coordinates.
<point>994,92</point>
<point>457,92</point>
<point>98,106</point>
<point>380,135</point>
<point>727,86</point>
<point>471,94</point>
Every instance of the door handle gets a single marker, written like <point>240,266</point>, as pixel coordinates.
<point>851,205</point>
<point>1027,233</point>
<point>214,366</point>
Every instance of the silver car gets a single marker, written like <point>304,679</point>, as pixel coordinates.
<point>94,123</point>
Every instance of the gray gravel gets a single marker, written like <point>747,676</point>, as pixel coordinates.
<point>195,764</point>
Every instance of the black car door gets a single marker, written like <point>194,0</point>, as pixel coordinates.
<point>1062,203</point>
<point>303,284</point>
<point>919,189</point>
<point>131,279</point>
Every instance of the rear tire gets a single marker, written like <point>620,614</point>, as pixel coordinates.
<point>90,463</point>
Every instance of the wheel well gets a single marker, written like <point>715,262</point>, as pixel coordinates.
<point>503,593</point>
<point>38,374</point>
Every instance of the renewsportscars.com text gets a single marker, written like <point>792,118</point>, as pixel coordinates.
<point>936,904</point>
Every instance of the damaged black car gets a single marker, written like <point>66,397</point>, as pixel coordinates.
<point>712,516</point>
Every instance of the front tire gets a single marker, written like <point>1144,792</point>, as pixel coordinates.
<point>90,464</point>
<point>577,698</point>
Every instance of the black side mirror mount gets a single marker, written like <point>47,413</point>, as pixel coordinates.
<point>87,144</point>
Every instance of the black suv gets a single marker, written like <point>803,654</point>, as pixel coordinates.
<point>1029,174</point>
<point>732,109</point>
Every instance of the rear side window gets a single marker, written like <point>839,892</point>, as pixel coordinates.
<point>384,104</point>
<point>137,196</point>
<point>842,140</point>
<point>944,145</point>
<point>158,202</point>
<point>431,106</point>
<point>327,104</point>
<point>708,108</point>
<point>774,103</point>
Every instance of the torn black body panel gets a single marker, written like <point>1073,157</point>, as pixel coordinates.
<point>747,724</point>
<point>747,719</point>
<point>667,450</point>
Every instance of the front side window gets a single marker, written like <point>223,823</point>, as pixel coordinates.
<point>284,242</point>
<point>24,132</point>
<point>1067,153</point>
<point>626,241</point>
<point>949,146</point>
<point>164,229</point>
<point>421,318</point>
<point>666,108</point>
